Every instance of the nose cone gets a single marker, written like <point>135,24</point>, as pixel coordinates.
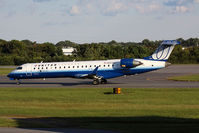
<point>9,75</point>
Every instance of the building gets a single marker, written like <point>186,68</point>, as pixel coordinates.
<point>68,50</point>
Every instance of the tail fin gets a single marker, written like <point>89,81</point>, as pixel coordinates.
<point>163,52</point>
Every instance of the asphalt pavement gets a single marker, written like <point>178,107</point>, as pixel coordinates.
<point>154,79</point>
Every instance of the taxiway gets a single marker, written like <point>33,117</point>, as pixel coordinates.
<point>154,79</point>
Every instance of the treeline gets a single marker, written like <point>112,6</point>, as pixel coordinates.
<point>19,52</point>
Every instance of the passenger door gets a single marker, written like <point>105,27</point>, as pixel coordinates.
<point>29,70</point>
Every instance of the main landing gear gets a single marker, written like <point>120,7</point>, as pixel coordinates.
<point>99,81</point>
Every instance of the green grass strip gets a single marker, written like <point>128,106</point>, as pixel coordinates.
<point>5,71</point>
<point>135,110</point>
<point>194,77</point>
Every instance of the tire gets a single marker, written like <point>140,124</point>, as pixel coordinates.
<point>95,82</point>
<point>104,81</point>
<point>18,82</point>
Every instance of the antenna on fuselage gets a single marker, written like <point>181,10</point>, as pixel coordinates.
<point>74,60</point>
<point>41,62</point>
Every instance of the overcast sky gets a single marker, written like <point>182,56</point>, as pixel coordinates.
<point>85,21</point>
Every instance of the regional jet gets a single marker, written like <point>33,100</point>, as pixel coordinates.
<point>99,71</point>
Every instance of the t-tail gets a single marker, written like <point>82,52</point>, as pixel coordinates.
<point>163,52</point>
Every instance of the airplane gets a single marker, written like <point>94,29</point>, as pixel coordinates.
<point>100,70</point>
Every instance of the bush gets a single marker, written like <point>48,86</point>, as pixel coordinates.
<point>6,60</point>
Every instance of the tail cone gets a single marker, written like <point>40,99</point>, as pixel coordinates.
<point>167,64</point>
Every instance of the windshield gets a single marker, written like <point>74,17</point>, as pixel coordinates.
<point>19,68</point>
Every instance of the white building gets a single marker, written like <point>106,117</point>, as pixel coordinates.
<point>68,50</point>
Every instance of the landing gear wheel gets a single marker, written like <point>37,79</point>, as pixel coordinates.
<point>18,82</point>
<point>95,82</point>
<point>103,81</point>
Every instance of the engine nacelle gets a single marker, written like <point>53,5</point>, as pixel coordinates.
<point>129,63</point>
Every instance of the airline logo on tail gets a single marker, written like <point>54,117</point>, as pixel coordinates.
<point>163,52</point>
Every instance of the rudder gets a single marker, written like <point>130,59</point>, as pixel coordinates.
<point>163,51</point>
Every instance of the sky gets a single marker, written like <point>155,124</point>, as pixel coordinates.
<point>86,21</point>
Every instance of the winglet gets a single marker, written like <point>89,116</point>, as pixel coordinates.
<point>90,75</point>
<point>94,72</point>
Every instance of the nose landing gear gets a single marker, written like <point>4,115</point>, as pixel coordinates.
<point>18,82</point>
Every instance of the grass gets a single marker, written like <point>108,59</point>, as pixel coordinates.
<point>194,77</point>
<point>5,71</point>
<point>135,110</point>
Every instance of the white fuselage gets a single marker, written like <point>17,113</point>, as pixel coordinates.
<point>107,69</point>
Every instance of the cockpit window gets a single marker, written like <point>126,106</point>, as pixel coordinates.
<point>19,68</point>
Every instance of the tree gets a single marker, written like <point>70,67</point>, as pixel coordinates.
<point>66,43</point>
<point>28,42</point>
<point>6,60</point>
<point>20,52</point>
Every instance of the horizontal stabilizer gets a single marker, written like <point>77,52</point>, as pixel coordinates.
<point>170,42</point>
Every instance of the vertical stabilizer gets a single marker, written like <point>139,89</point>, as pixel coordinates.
<point>163,51</point>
